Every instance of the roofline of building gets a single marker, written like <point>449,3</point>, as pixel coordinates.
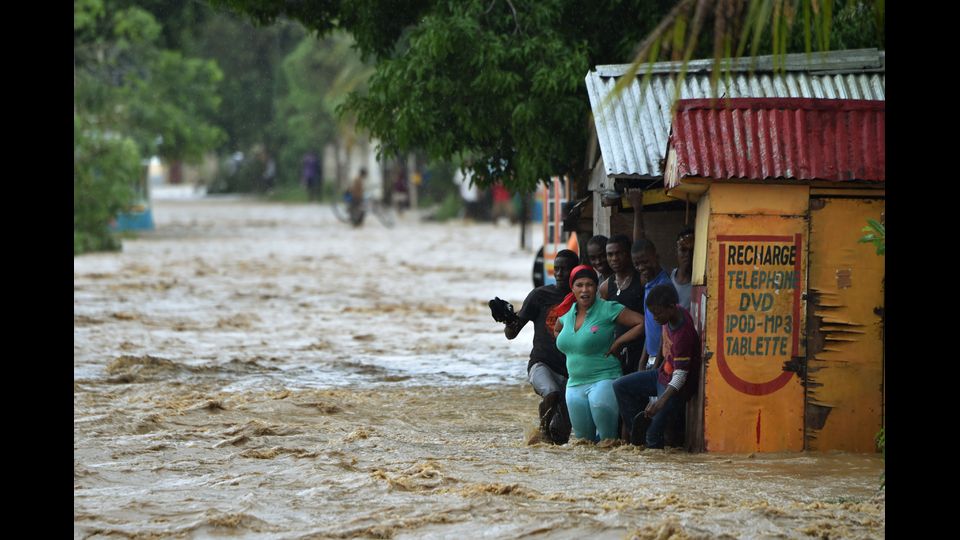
<point>791,103</point>
<point>846,61</point>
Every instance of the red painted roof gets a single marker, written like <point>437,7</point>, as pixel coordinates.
<point>780,138</point>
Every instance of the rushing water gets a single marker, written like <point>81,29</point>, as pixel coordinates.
<point>262,371</point>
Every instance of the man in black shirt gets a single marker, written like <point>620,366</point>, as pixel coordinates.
<point>624,286</point>
<point>547,368</point>
<point>597,255</point>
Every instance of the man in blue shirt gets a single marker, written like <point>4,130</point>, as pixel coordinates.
<point>647,262</point>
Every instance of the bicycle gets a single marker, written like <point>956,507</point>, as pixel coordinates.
<point>347,212</point>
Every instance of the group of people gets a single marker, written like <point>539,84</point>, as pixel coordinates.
<point>615,352</point>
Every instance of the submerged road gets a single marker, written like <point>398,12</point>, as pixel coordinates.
<point>260,370</point>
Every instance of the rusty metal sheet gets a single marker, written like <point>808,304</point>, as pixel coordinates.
<point>753,396</point>
<point>844,409</point>
<point>780,138</point>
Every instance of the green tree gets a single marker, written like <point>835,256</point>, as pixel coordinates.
<point>132,99</point>
<point>251,57</point>
<point>500,84</point>
<point>876,234</point>
<point>732,28</point>
<point>253,85</point>
<point>103,166</point>
<point>317,76</point>
<point>179,20</point>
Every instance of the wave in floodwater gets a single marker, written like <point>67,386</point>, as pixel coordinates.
<point>263,371</point>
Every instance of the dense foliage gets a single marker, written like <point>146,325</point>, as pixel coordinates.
<point>132,99</point>
<point>317,76</point>
<point>499,84</point>
<point>876,234</point>
<point>495,84</point>
<point>103,167</point>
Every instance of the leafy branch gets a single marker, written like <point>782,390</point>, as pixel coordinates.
<point>876,234</point>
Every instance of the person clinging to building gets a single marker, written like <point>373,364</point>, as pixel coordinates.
<point>597,255</point>
<point>547,368</point>
<point>585,334</point>
<point>674,379</point>
<point>681,276</point>
<point>647,262</point>
<point>625,287</point>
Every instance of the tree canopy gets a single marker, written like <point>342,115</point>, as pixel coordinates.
<point>126,83</point>
<point>496,85</point>
<point>499,85</point>
<point>132,99</point>
<point>251,56</point>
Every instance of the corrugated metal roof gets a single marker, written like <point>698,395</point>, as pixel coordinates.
<point>632,128</point>
<point>800,139</point>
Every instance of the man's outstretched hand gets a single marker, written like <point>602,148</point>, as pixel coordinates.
<point>502,311</point>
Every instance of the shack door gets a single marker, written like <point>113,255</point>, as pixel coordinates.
<point>756,247</point>
<point>844,389</point>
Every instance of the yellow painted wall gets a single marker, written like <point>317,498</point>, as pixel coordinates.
<point>771,200</point>
<point>752,404</point>
<point>757,402</point>
<point>700,242</point>
<point>845,366</point>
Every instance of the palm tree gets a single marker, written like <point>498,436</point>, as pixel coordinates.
<point>738,24</point>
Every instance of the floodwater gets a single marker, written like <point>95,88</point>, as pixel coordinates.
<point>258,370</point>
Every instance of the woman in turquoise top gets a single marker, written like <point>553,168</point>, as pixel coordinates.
<point>585,336</point>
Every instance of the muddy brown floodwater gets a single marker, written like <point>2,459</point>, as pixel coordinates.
<point>260,370</point>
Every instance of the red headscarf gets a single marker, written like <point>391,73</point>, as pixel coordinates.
<point>582,271</point>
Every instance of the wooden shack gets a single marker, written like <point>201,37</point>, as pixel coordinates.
<point>630,136</point>
<point>789,302</point>
<point>630,128</point>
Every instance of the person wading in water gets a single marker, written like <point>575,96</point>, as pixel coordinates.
<point>585,335</point>
<point>547,368</point>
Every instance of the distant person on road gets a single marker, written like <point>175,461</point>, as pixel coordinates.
<point>269,177</point>
<point>468,193</point>
<point>585,334</point>
<point>547,368</point>
<point>502,207</point>
<point>356,197</point>
<point>597,255</point>
<point>310,176</point>
<point>267,166</point>
<point>401,190</point>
